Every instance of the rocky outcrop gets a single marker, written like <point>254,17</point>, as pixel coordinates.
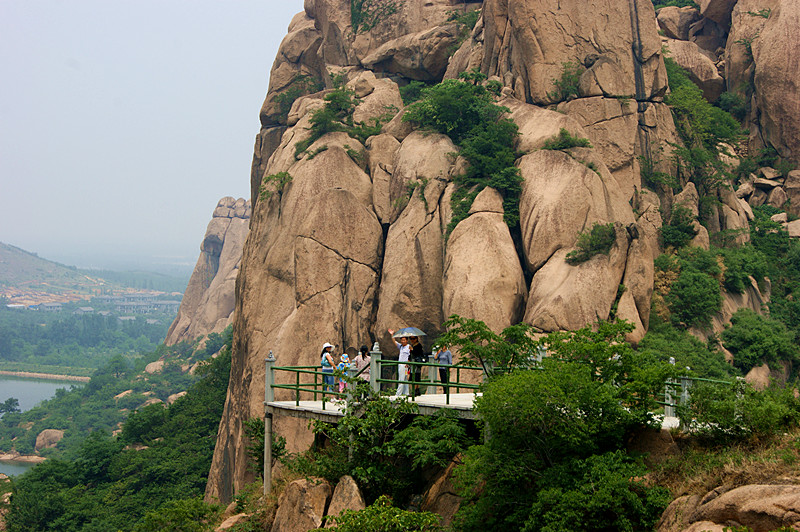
<point>302,505</point>
<point>442,497</point>
<point>519,46</point>
<point>701,68</point>
<point>776,53</point>
<point>359,237</point>
<point>208,302</point>
<point>759,507</point>
<point>346,496</point>
<point>48,439</point>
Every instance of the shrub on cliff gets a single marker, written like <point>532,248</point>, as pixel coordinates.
<point>555,457</point>
<point>465,111</point>
<point>598,240</point>
<point>754,340</point>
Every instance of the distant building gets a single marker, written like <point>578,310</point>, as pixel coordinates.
<point>127,318</point>
<point>50,307</point>
<point>167,306</point>
<point>81,311</point>
<point>15,306</point>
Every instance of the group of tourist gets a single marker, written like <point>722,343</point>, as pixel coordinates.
<point>410,350</point>
<point>328,362</point>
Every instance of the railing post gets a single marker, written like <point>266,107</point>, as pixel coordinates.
<point>375,368</point>
<point>685,385</point>
<point>269,381</point>
<point>669,408</point>
<point>269,378</point>
<point>350,384</point>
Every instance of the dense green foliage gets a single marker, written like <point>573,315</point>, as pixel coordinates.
<point>736,411</point>
<point>64,339</point>
<point>465,111</point>
<point>566,85</point>
<point>598,240</point>
<point>695,295</point>
<point>412,91</point>
<point>695,358</point>
<point>702,127</point>
<point>782,266</point>
<point>379,444</point>
<point>110,485</point>
<point>495,353</point>
<point>565,141</point>
<point>754,339</point>
<point>336,115</point>
<point>694,298</point>
<point>554,428</point>
<point>680,229</point>
<point>381,516</point>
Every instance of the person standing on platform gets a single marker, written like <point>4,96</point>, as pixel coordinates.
<point>402,368</point>
<point>444,358</point>
<point>326,360</point>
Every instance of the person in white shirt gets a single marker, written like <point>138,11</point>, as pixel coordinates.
<point>405,352</point>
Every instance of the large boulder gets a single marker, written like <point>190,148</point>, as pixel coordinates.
<point>442,497</point>
<point>717,10</point>
<point>482,273</point>
<point>760,507</point>
<point>561,198</point>
<point>421,56</point>
<point>776,52</point>
<point>301,506</point>
<point>521,47</point>
<point>48,438</point>
<point>676,21</point>
<point>346,496</point>
<point>701,69</point>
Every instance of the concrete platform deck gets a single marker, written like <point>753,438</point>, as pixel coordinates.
<point>428,404</point>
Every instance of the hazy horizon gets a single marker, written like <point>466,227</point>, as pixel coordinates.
<point>125,123</point>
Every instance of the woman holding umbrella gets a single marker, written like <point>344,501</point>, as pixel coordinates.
<point>401,341</point>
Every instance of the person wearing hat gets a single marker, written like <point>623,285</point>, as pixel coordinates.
<point>327,366</point>
<point>344,363</point>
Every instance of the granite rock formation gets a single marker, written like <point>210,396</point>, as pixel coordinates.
<point>356,241</point>
<point>208,302</point>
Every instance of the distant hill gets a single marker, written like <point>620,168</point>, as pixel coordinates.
<point>23,271</point>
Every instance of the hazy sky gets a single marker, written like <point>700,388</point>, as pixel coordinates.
<point>123,122</point>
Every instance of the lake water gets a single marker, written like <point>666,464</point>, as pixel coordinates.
<point>29,392</point>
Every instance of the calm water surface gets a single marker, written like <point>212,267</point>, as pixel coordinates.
<point>30,393</point>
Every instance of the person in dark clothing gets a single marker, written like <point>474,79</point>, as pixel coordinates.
<point>417,355</point>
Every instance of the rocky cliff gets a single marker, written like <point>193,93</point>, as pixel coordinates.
<point>208,302</point>
<point>340,250</point>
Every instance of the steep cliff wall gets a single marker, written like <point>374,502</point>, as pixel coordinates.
<point>208,302</point>
<point>340,250</point>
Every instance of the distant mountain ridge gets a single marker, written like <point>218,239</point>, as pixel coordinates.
<point>26,275</point>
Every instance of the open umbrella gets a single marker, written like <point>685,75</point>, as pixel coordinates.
<point>408,331</point>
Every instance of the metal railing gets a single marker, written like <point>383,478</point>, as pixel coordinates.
<point>309,381</point>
